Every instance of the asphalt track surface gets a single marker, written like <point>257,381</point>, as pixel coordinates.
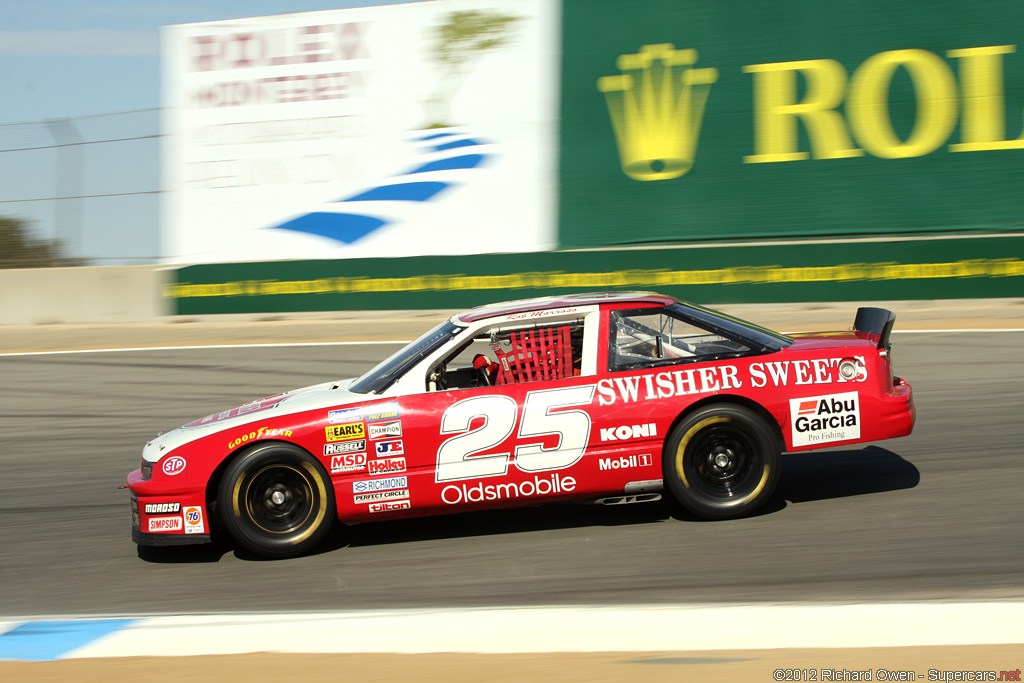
<point>937,514</point>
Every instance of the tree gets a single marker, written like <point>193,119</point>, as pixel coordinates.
<point>19,250</point>
<point>464,38</point>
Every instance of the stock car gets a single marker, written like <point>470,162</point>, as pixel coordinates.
<point>613,398</point>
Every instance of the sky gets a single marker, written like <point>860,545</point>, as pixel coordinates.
<point>70,58</point>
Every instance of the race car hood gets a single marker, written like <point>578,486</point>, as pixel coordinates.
<point>327,394</point>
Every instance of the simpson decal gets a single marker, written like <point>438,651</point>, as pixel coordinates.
<point>821,419</point>
<point>345,432</point>
<point>158,524</point>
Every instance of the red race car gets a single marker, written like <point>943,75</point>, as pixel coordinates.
<point>613,397</point>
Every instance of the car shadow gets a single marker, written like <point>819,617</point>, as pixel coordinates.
<point>820,475</point>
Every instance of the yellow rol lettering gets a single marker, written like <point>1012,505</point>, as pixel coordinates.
<point>868,104</point>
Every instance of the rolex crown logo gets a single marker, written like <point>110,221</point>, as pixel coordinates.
<point>657,107</point>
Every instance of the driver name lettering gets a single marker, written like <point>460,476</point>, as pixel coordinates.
<point>691,381</point>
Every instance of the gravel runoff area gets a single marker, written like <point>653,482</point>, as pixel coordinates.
<point>341,326</point>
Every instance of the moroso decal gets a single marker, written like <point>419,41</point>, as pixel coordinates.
<point>162,508</point>
<point>820,419</point>
<point>346,432</point>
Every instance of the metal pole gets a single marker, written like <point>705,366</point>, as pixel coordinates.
<point>68,207</point>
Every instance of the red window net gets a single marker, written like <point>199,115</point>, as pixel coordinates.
<point>536,355</point>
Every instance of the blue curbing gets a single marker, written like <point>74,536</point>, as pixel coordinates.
<point>44,641</point>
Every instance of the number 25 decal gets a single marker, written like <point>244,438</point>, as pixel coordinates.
<point>457,458</point>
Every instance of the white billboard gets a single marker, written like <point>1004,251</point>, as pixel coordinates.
<point>424,128</point>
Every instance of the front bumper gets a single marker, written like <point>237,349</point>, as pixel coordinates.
<point>168,519</point>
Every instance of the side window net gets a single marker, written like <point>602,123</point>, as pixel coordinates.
<point>532,355</point>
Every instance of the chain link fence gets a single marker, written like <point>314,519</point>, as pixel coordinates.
<point>81,191</point>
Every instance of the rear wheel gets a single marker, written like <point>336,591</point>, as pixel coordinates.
<point>276,500</point>
<point>722,461</point>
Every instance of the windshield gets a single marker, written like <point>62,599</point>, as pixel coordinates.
<point>385,373</point>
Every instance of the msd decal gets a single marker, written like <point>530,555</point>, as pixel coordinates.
<point>345,432</point>
<point>194,520</point>
<point>624,462</point>
<point>391,447</point>
<point>387,466</point>
<point>348,462</point>
<point>820,419</point>
<point>634,432</point>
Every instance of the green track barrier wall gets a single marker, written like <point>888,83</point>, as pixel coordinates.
<point>939,268</point>
<point>717,119</point>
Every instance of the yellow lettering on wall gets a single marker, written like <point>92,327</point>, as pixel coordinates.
<point>776,111</point>
<point>983,126</point>
<point>867,106</point>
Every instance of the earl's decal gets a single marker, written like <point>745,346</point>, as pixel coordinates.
<point>345,432</point>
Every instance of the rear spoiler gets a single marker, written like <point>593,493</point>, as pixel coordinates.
<point>876,321</point>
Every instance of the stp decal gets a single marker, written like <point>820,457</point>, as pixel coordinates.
<point>174,465</point>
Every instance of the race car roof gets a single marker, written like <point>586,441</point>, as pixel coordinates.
<point>566,301</point>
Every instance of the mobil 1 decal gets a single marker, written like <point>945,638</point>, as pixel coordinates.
<point>821,419</point>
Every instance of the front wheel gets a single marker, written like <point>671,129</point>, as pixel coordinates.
<point>722,461</point>
<point>276,501</point>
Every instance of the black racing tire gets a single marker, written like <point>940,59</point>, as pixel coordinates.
<point>722,461</point>
<point>276,500</point>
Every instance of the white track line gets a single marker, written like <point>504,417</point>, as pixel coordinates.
<point>574,629</point>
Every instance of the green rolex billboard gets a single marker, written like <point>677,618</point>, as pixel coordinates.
<point>709,119</point>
